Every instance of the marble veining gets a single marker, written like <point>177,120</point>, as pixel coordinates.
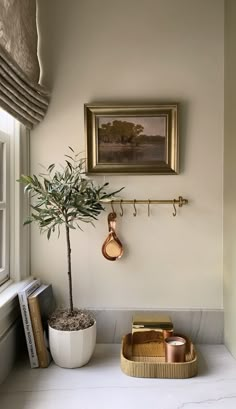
<point>202,326</point>
<point>102,385</point>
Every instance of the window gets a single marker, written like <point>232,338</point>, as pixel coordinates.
<point>5,139</point>
<point>13,162</point>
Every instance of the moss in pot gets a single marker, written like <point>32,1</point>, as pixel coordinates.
<point>67,198</point>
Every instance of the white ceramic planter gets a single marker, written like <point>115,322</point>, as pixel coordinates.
<point>72,349</point>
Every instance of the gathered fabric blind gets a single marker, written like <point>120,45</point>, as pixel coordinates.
<point>21,95</point>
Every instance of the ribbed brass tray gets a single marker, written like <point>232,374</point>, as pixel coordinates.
<point>147,360</point>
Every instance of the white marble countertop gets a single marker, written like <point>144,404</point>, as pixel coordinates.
<point>102,385</point>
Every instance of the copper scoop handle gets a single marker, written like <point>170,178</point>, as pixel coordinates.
<point>112,222</point>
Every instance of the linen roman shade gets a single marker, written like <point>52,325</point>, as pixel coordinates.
<point>21,95</point>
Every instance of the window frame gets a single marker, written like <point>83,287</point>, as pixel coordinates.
<point>18,239</point>
<point>4,207</point>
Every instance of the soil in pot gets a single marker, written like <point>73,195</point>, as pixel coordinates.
<point>64,320</point>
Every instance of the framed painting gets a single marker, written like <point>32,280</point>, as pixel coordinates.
<point>132,139</point>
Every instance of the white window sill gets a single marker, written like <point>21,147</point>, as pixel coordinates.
<point>9,306</point>
<point>4,286</point>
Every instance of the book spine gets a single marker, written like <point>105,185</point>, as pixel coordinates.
<point>38,333</point>
<point>23,300</point>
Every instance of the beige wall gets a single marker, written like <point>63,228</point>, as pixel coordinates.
<point>141,51</point>
<point>229,177</point>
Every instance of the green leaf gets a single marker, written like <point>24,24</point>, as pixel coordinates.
<point>51,167</point>
<point>70,157</point>
<point>25,179</point>
<point>28,221</point>
<point>69,165</point>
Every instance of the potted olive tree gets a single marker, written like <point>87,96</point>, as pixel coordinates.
<point>66,198</point>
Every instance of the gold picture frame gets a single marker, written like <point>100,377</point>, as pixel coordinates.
<point>132,139</point>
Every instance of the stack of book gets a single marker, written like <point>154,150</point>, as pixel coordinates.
<point>36,304</point>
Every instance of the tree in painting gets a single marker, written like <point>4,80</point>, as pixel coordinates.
<point>123,132</point>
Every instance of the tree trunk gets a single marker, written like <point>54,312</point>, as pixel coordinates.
<point>71,308</point>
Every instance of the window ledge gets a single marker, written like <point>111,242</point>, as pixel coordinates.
<point>9,305</point>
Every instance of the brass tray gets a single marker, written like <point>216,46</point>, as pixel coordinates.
<point>151,364</point>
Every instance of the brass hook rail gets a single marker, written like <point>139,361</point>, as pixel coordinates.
<point>180,201</point>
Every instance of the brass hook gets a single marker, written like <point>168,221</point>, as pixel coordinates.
<point>174,214</point>
<point>121,208</point>
<point>112,207</point>
<point>148,207</point>
<point>135,210</point>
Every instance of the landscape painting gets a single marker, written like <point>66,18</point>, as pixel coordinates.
<point>132,140</point>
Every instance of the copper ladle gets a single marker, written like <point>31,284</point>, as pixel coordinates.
<point>112,248</point>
